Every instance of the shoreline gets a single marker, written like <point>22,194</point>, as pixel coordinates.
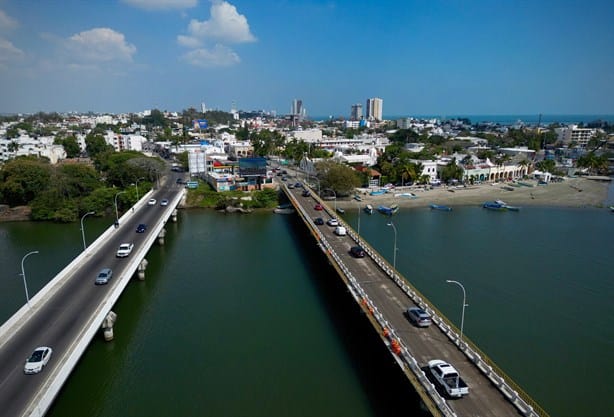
<point>571,193</point>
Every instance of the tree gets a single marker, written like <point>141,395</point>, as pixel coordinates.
<point>341,178</point>
<point>452,171</point>
<point>23,178</point>
<point>95,144</point>
<point>71,146</point>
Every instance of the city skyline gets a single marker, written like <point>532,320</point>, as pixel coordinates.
<point>420,57</point>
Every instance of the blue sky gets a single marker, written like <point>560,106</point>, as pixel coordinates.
<point>420,57</point>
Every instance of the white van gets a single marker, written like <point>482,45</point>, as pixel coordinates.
<point>340,231</point>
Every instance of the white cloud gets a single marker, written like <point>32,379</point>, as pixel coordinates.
<point>219,56</point>
<point>7,22</point>
<point>225,25</point>
<point>9,53</point>
<point>100,45</point>
<point>188,41</point>
<point>162,4</point>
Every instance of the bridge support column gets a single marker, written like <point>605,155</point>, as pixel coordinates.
<point>141,269</point>
<point>174,216</point>
<point>161,236</point>
<point>107,326</point>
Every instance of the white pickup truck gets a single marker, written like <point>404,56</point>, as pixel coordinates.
<point>448,378</point>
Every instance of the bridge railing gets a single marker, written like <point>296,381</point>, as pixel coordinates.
<point>516,395</point>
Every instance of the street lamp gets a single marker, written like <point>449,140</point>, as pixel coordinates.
<point>334,194</point>
<point>116,213</point>
<point>137,187</point>
<point>23,274</point>
<point>358,207</point>
<point>82,229</point>
<point>394,256</point>
<point>318,180</point>
<point>464,305</point>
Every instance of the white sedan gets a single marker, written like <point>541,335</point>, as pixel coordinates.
<point>124,250</point>
<point>151,202</point>
<point>37,361</point>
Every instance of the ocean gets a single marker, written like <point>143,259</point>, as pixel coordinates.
<point>503,119</point>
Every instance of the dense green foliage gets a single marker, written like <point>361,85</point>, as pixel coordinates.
<point>204,196</point>
<point>340,178</point>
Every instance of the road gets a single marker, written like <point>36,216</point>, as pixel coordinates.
<point>57,322</point>
<point>424,344</point>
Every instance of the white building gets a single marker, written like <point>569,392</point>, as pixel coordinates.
<point>375,108</point>
<point>573,133</point>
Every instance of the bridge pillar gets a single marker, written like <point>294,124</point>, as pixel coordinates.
<point>107,326</point>
<point>174,216</point>
<point>141,269</point>
<point>161,236</point>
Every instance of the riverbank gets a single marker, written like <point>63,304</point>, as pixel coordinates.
<point>571,192</point>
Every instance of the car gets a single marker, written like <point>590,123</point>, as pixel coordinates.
<point>332,222</point>
<point>298,184</point>
<point>340,231</point>
<point>124,250</point>
<point>38,360</point>
<point>164,202</point>
<point>319,221</point>
<point>104,276</point>
<point>357,251</point>
<point>179,181</point>
<point>306,193</point>
<point>284,178</point>
<point>418,316</point>
<point>141,228</point>
<point>318,207</point>
<point>151,202</point>
<point>290,186</point>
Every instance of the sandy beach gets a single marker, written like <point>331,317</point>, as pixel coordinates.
<point>572,192</point>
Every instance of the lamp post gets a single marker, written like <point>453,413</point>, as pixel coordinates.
<point>23,274</point>
<point>358,207</point>
<point>464,305</point>
<point>394,256</point>
<point>318,180</point>
<point>116,213</point>
<point>137,187</point>
<point>334,194</point>
<point>82,229</point>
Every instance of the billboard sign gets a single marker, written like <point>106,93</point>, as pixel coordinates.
<point>200,124</point>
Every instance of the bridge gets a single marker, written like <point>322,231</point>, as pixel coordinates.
<point>70,310</point>
<point>384,295</point>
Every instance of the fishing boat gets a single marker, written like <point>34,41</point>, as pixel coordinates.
<point>389,211</point>
<point>612,209</point>
<point>493,205</point>
<point>340,210</point>
<point>368,209</point>
<point>440,207</point>
<point>378,192</point>
<point>406,195</point>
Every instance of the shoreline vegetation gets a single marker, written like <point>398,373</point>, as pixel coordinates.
<point>571,193</point>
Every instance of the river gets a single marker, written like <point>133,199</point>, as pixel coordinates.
<point>240,315</point>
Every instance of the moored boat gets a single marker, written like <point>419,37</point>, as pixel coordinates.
<point>340,210</point>
<point>389,211</point>
<point>493,205</point>
<point>612,209</point>
<point>406,195</point>
<point>284,209</point>
<point>378,192</point>
<point>369,209</point>
<point>440,207</point>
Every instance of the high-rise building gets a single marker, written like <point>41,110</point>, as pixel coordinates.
<point>375,108</point>
<point>203,108</point>
<point>298,111</point>
<point>356,113</point>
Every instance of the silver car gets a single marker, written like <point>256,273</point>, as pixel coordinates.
<point>104,276</point>
<point>418,316</point>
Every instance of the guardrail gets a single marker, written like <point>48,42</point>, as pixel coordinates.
<point>510,389</point>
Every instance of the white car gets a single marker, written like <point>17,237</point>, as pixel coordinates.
<point>164,202</point>
<point>37,361</point>
<point>332,222</point>
<point>124,250</point>
<point>151,202</point>
<point>340,231</point>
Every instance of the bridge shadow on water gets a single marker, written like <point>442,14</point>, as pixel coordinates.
<point>386,387</point>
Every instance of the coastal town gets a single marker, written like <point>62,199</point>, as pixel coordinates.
<point>408,161</point>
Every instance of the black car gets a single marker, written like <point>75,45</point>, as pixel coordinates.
<point>141,228</point>
<point>306,193</point>
<point>357,252</point>
<point>319,221</point>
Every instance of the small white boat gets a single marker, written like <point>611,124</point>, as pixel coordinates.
<point>340,210</point>
<point>369,209</point>
<point>406,195</point>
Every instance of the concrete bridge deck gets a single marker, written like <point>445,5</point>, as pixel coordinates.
<point>69,311</point>
<point>384,295</point>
